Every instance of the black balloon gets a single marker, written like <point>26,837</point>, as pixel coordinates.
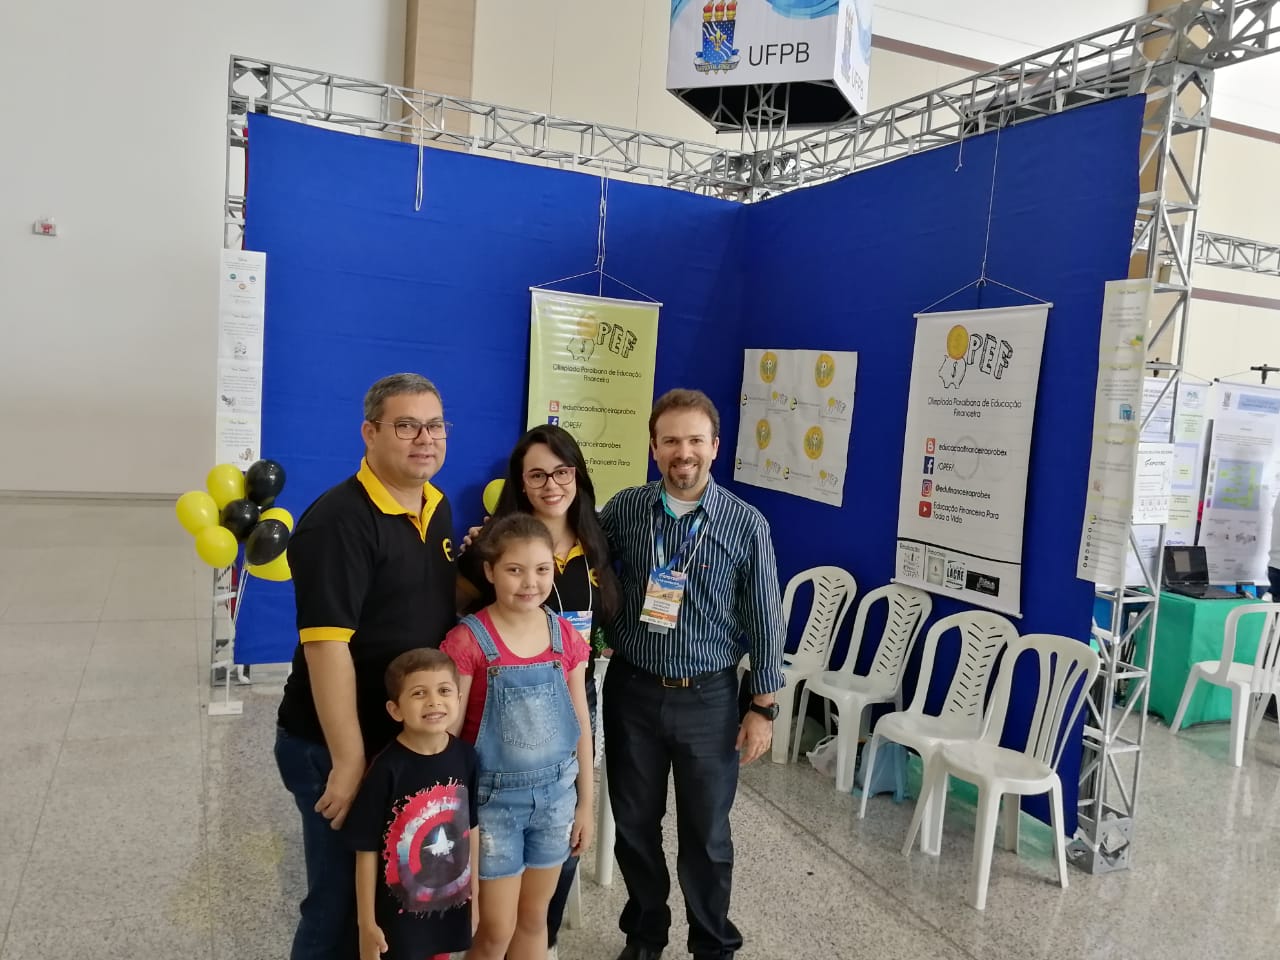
<point>240,517</point>
<point>263,482</point>
<point>268,541</point>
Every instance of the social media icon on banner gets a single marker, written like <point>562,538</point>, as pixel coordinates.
<point>926,509</point>
<point>926,488</point>
<point>554,421</point>
<point>554,407</point>
<point>931,446</point>
<point>928,465</point>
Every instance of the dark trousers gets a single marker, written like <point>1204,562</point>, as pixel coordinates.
<point>560,898</point>
<point>650,731</point>
<point>327,927</point>
<point>1273,574</point>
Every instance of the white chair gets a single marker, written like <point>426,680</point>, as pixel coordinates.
<point>1252,685</point>
<point>1067,671</point>
<point>983,635</point>
<point>852,693</point>
<point>833,593</point>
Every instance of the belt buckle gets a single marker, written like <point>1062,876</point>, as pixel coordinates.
<point>675,683</point>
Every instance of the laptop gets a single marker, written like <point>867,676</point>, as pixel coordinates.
<point>1186,572</point>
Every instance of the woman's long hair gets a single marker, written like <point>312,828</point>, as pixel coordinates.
<point>581,514</point>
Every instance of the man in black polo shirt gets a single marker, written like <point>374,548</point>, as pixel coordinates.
<point>373,574</point>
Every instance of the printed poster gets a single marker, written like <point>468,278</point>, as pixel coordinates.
<point>591,362</point>
<point>1243,479</point>
<point>974,378</point>
<point>1117,412</point>
<point>797,411</point>
<point>238,393</point>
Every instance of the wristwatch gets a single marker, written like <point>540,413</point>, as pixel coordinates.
<point>769,713</point>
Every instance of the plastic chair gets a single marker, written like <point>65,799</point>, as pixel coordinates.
<point>983,635</point>
<point>852,693</point>
<point>833,593</point>
<point>1067,671</point>
<point>1257,682</point>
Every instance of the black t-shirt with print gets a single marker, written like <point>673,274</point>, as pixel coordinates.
<point>418,812</point>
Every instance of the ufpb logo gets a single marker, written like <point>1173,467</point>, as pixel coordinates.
<point>824,370</point>
<point>813,443</point>
<point>768,366</point>
<point>719,23</point>
<point>964,350</point>
<point>764,433</point>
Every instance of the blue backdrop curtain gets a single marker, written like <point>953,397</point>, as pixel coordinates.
<point>360,285</point>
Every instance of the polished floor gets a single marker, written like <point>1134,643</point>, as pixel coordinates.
<point>132,825</point>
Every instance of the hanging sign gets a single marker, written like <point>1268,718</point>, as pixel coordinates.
<point>974,378</point>
<point>797,408</point>
<point>591,363</point>
<point>729,43</point>
<point>238,394</point>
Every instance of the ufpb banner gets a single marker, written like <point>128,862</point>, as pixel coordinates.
<point>591,363</point>
<point>797,409</point>
<point>974,377</point>
<point>728,43</point>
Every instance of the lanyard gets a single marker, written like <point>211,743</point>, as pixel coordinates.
<point>590,589</point>
<point>660,547</point>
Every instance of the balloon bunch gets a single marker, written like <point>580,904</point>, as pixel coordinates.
<point>237,508</point>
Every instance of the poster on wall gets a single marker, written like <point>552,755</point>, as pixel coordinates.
<point>591,363</point>
<point>974,379</point>
<point>730,43</point>
<point>238,393</point>
<point>1243,479</point>
<point>797,410</point>
<point>1117,412</point>
<point>1187,429</point>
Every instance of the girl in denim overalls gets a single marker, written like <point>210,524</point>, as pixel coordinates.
<point>521,671</point>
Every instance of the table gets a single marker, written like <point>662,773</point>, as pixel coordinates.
<point>1187,632</point>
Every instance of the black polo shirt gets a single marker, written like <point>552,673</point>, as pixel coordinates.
<point>369,573</point>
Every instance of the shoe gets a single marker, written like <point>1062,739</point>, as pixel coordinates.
<point>553,953</point>
<point>635,951</point>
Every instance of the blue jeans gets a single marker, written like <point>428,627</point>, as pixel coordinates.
<point>327,928</point>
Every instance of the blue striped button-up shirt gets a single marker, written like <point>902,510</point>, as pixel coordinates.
<point>731,600</point>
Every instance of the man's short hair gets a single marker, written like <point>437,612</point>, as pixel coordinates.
<point>680,399</point>
<point>416,661</point>
<point>394,386</point>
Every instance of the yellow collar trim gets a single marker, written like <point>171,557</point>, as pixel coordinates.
<point>384,501</point>
<point>574,551</point>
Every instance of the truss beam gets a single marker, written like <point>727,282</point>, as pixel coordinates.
<point>1237,253</point>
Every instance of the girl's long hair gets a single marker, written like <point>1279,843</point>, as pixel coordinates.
<point>582,512</point>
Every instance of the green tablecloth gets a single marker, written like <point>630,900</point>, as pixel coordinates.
<point>1189,631</point>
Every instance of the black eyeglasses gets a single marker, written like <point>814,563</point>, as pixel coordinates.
<point>412,429</point>
<point>537,479</point>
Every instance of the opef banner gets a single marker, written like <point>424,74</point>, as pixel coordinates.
<point>591,362</point>
<point>974,377</point>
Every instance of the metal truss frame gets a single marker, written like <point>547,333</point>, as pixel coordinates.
<point>1237,253</point>
<point>1169,56</point>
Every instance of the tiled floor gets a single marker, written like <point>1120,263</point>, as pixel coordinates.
<point>134,826</point>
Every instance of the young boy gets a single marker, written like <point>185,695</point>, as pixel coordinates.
<point>412,822</point>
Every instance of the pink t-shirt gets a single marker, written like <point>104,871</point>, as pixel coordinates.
<point>460,645</point>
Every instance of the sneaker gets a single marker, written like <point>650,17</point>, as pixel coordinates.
<point>553,954</point>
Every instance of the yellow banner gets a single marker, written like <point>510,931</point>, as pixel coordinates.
<point>591,363</point>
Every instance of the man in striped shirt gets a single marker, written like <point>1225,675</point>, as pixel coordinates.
<point>699,578</point>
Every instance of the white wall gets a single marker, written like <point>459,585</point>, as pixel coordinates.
<point>114,125</point>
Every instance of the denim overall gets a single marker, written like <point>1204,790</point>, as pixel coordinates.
<point>527,745</point>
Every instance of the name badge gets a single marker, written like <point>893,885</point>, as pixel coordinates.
<point>581,620</point>
<point>662,599</point>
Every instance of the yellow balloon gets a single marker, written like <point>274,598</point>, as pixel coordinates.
<point>492,491</point>
<point>217,546</point>
<point>277,570</point>
<point>278,513</point>
<point>196,510</point>
<point>225,483</point>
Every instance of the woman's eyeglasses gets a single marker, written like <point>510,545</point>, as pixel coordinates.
<point>537,479</point>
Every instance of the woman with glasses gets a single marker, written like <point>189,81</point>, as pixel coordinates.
<point>547,477</point>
